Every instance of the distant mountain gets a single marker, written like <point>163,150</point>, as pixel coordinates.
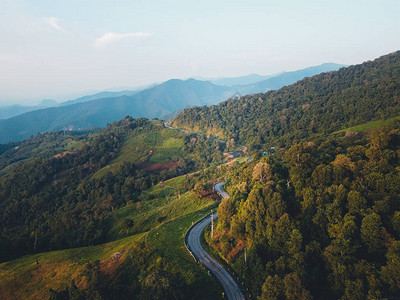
<point>7,112</point>
<point>160,101</point>
<point>286,78</point>
<point>241,80</point>
<point>156,102</point>
<point>102,95</point>
<point>15,110</point>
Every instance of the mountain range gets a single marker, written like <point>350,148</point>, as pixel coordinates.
<point>313,210</point>
<point>10,111</point>
<point>160,101</point>
<point>321,104</point>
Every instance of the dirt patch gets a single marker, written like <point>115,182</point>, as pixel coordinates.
<point>61,155</point>
<point>110,265</point>
<point>239,248</point>
<point>157,167</point>
<point>209,194</point>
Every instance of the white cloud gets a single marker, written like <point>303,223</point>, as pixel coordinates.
<point>53,22</point>
<point>111,37</point>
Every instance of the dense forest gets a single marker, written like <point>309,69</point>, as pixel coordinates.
<point>320,104</point>
<point>320,220</point>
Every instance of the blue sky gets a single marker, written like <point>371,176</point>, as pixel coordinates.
<point>60,49</point>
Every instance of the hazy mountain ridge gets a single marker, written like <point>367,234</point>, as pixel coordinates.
<point>159,101</point>
<point>10,111</point>
<point>286,78</point>
<point>320,104</point>
<point>155,102</point>
<point>241,80</point>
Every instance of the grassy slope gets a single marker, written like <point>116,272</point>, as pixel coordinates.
<point>368,126</point>
<point>23,278</point>
<point>164,143</point>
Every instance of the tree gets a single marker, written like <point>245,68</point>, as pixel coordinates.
<point>294,290</point>
<point>225,212</point>
<point>354,290</point>
<point>262,171</point>
<point>391,272</point>
<point>396,222</point>
<point>127,224</point>
<point>272,288</point>
<point>162,284</point>
<point>371,232</point>
<point>356,203</point>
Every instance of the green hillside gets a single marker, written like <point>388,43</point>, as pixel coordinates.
<point>321,104</point>
<point>314,215</point>
<point>154,246</point>
<point>78,190</point>
<point>369,126</point>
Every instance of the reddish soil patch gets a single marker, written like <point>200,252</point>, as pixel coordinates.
<point>236,250</point>
<point>110,265</point>
<point>209,194</point>
<point>60,155</point>
<point>157,167</point>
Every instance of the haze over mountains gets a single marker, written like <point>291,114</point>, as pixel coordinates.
<point>159,101</point>
<point>316,210</point>
<point>10,111</point>
<point>320,104</point>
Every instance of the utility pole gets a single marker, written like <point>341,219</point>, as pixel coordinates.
<point>212,224</point>
<point>245,257</point>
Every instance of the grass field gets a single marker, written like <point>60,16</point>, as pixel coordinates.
<point>32,276</point>
<point>170,150</point>
<point>163,207</point>
<point>164,144</point>
<point>157,146</point>
<point>369,126</point>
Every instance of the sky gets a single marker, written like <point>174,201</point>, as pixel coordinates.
<point>62,49</point>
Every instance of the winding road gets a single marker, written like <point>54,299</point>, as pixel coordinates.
<point>193,244</point>
<point>220,191</point>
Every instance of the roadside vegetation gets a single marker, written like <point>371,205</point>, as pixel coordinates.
<point>146,260</point>
<point>319,220</point>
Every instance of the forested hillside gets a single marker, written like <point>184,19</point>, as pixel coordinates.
<point>60,196</point>
<point>321,104</point>
<point>321,220</point>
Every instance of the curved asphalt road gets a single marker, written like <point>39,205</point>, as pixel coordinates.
<point>220,191</point>
<point>193,244</point>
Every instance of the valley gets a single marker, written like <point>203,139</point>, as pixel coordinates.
<point>309,207</point>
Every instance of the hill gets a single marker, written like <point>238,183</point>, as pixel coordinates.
<point>83,177</point>
<point>165,101</point>
<point>146,242</point>
<point>241,80</point>
<point>115,190</point>
<point>103,213</point>
<point>286,78</point>
<point>321,104</point>
<point>318,220</point>
<point>14,110</point>
<point>101,95</point>
<point>155,102</point>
